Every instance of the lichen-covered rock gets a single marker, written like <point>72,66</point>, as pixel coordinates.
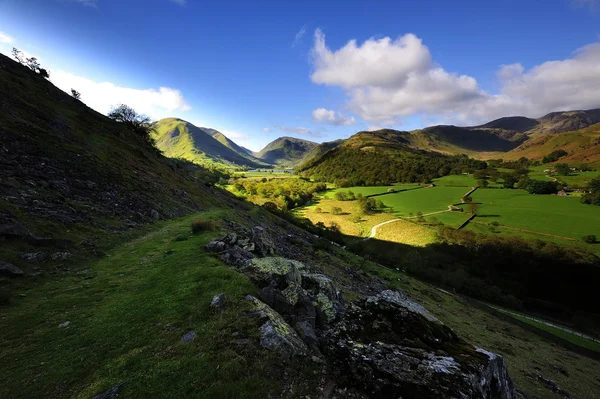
<point>388,346</point>
<point>215,246</point>
<point>319,283</point>
<point>275,333</point>
<point>263,242</point>
<point>325,309</point>
<point>280,270</point>
<point>10,270</point>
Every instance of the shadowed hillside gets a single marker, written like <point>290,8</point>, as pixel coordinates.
<point>285,151</point>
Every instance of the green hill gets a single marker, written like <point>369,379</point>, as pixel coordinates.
<point>244,152</point>
<point>582,146</point>
<point>180,139</point>
<point>285,151</point>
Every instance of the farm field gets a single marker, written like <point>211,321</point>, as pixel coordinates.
<point>550,214</point>
<point>425,200</point>
<point>372,190</point>
<point>461,181</point>
<point>406,232</point>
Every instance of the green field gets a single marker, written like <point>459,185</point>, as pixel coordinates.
<point>372,190</point>
<point>549,214</point>
<point>567,336</point>
<point>574,179</point>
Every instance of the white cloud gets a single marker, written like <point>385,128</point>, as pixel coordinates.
<point>156,103</point>
<point>6,38</point>
<point>299,36</point>
<point>322,115</point>
<point>386,80</point>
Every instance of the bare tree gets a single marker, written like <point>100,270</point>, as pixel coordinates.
<point>137,123</point>
<point>18,55</point>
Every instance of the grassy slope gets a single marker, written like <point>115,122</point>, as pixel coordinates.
<point>58,138</point>
<point>127,314</point>
<point>221,138</point>
<point>180,139</point>
<point>285,151</point>
<point>582,145</point>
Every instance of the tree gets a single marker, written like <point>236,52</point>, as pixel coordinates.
<point>562,169</point>
<point>76,95</point>
<point>590,239</point>
<point>137,123</point>
<point>509,180</point>
<point>18,55</point>
<point>336,210</point>
<point>473,207</point>
<point>33,64</point>
<point>483,183</point>
<point>318,210</point>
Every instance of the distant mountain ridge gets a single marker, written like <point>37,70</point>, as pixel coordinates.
<point>285,151</point>
<point>181,139</point>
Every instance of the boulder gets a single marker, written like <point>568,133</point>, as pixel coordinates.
<point>215,246</point>
<point>263,242</point>
<point>34,256</point>
<point>10,270</point>
<point>275,333</point>
<point>14,231</point>
<point>389,346</point>
<point>282,271</point>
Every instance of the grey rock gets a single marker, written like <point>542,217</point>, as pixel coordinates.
<point>111,393</point>
<point>264,244</point>
<point>231,239</point>
<point>386,346</point>
<point>276,334</point>
<point>215,246</point>
<point>282,271</point>
<point>61,255</point>
<point>188,336</point>
<point>399,298</point>
<point>154,214</point>
<point>10,270</point>
<point>218,303</point>
<point>65,324</point>
<point>34,256</point>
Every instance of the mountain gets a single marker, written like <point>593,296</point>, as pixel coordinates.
<point>285,151</point>
<point>244,152</point>
<point>582,146</point>
<point>180,139</point>
<point>319,150</point>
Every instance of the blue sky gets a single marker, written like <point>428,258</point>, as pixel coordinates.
<point>257,70</point>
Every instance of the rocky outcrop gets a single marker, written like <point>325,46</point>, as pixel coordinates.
<point>384,345</point>
<point>275,333</point>
<point>388,346</point>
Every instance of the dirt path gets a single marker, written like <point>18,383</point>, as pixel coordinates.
<point>374,228</point>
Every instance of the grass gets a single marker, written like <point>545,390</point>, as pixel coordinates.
<point>371,190</point>
<point>550,214</point>
<point>406,232</point>
<point>574,339</point>
<point>127,313</point>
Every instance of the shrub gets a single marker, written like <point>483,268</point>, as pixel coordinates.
<point>590,239</point>
<point>200,225</point>
<point>318,210</point>
<point>336,210</point>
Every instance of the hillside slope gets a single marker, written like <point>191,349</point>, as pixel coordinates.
<point>285,151</point>
<point>180,139</point>
<point>582,146</point>
<point>227,142</point>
